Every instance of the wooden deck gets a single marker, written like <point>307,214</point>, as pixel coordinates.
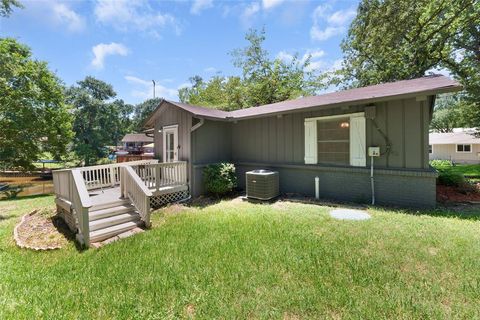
<point>111,194</point>
<point>91,197</point>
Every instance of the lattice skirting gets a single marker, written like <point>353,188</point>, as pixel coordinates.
<point>161,200</point>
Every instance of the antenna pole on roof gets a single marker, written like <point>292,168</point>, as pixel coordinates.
<point>153,89</point>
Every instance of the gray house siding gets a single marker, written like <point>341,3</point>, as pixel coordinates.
<point>211,143</point>
<point>171,115</point>
<point>402,177</point>
<point>280,139</point>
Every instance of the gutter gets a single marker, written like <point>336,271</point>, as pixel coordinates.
<point>198,125</point>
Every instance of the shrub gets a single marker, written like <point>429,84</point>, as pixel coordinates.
<point>441,163</point>
<point>219,178</point>
<point>448,178</point>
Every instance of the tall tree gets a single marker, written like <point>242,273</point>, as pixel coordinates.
<point>263,80</point>
<point>448,113</point>
<point>6,7</point>
<point>99,122</point>
<point>33,115</point>
<point>142,111</point>
<point>404,39</point>
<point>391,40</point>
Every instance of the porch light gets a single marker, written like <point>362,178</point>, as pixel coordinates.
<point>344,124</point>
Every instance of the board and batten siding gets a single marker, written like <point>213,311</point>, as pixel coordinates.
<point>168,116</point>
<point>280,139</point>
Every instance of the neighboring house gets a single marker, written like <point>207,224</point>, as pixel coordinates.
<point>134,143</point>
<point>326,136</point>
<point>459,146</point>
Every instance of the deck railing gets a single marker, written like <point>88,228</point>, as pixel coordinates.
<point>159,175</point>
<point>107,175</point>
<point>70,186</point>
<point>133,187</point>
<point>137,180</point>
<point>81,204</point>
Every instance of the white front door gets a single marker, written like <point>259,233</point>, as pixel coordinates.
<point>170,143</point>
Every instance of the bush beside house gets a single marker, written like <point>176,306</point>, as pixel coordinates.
<point>219,178</point>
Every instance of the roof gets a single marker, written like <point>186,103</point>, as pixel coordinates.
<point>428,85</point>
<point>458,137</point>
<point>137,137</point>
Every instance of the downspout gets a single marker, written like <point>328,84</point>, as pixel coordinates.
<point>192,129</point>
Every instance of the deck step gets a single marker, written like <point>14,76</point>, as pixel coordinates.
<point>110,204</point>
<point>112,211</point>
<point>114,220</point>
<point>102,234</point>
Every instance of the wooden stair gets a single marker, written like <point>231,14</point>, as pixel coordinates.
<point>110,219</point>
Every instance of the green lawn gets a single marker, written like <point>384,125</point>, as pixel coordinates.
<point>240,260</point>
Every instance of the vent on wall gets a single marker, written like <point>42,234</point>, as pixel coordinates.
<point>262,184</point>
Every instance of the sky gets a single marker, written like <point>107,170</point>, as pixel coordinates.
<point>129,43</point>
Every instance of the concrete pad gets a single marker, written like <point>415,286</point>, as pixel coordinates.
<point>349,214</point>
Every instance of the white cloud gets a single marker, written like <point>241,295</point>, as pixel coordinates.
<point>63,14</point>
<point>335,23</point>
<point>249,13</point>
<point>210,70</point>
<point>268,4</point>
<point>315,62</point>
<point>143,89</point>
<point>102,50</point>
<point>284,56</point>
<point>200,5</point>
<point>133,15</point>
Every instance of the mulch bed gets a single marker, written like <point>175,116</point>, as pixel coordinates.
<point>448,194</point>
<point>41,230</point>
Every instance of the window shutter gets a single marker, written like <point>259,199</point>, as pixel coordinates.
<point>358,154</point>
<point>310,141</point>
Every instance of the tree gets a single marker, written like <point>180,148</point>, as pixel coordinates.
<point>6,7</point>
<point>393,40</point>
<point>98,122</point>
<point>142,111</point>
<point>397,40</point>
<point>33,116</point>
<point>447,114</point>
<point>263,80</point>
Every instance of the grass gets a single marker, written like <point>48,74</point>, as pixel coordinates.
<point>241,260</point>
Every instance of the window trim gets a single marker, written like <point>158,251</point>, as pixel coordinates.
<point>463,144</point>
<point>310,124</point>
<point>430,145</point>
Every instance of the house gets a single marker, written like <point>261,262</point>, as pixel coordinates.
<point>134,142</point>
<point>325,136</point>
<point>135,146</point>
<point>459,146</point>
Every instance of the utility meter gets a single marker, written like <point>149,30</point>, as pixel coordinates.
<point>374,151</point>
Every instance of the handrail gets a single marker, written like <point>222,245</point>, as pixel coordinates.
<point>135,189</point>
<point>107,175</point>
<point>164,174</point>
<point>81,204</point>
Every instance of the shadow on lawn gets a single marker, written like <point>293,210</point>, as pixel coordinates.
<point>63,229</point>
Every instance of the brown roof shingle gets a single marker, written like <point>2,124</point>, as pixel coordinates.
<point>137,137</point>
<point>428,85</point>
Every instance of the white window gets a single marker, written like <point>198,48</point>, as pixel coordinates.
<point>464,148</point>
<point>338,140</point>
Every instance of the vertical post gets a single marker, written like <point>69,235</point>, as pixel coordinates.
<point>85,227</point>
<point>157,177</point>
<point>112,176</point>
<point>122,182</point>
